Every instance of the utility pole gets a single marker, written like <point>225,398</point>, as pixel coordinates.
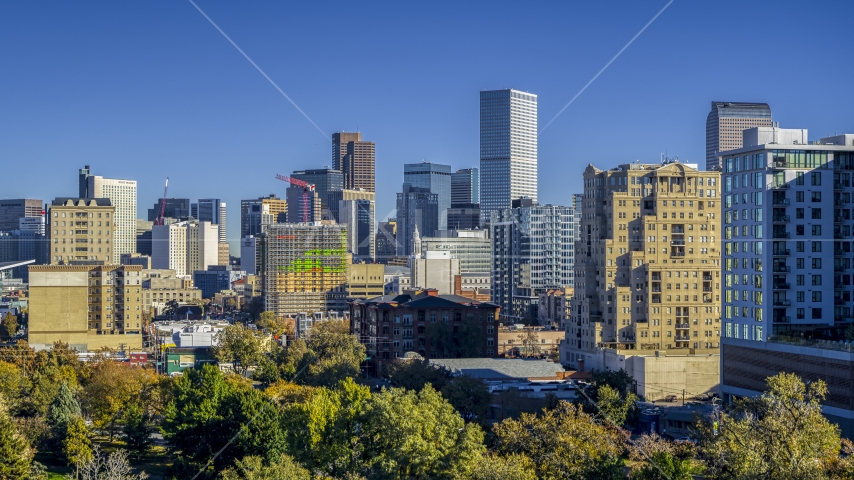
<point>683,396</point>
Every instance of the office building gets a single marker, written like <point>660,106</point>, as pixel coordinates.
<point>434,270</point>
<point>87,306</point>
<point>213,280</point>
<point>255,214</point>
<point>185,246</point>
<point>305,268</point>
<point>386,241</point>
<point>252,255</point>
<point>725,124</point>
<point>464,216</point>
<point>647,275</point>
<point>358,217</point>
<point>787,264</point>
<point>393,325</point>
<point>213,210</point>
<point>143,261</point>
<point>365,280</point>
<point>122,195</point>
<point>472,248</point>
<point>12,210</point>
<point>334,197</point>
<point>508,149</point>
<point>304,205</point>
<point>160,287</point>
<point>436,178</point>
<point>532,252</point>
<point>465,186</point>
<point>82,230</point>
<point>325,180</point>
<point>177,209</point>
<point>416,207</point>
<point>355,159</point>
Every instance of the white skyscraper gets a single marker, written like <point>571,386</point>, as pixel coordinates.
<point>508,149</point>
<point>184,246</point>
<point>122,194</point>
<point>211,210</point>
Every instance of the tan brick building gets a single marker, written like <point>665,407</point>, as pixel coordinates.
<point>81,230</point>
<point>647,270</point>
<point>86,306</point>
<point>365,280</point>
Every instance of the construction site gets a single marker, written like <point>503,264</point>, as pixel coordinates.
<point>306,268</point>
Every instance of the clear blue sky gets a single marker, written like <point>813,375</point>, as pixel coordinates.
<point>146,90</point>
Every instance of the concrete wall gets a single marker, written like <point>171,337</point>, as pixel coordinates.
<point>59,306</point>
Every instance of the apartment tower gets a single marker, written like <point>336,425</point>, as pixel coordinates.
<point>122,195</point>
<point>355,158</point>
<point>508,149</point>
<point>82,230</point>
<point>647,270</point>
<point>726,122</point>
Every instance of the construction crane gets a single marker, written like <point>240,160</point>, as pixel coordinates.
<point>306,187</point>
<point>159,220</point>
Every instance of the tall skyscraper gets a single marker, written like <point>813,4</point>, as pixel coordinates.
<point>325,180</point>
<point>256,213</point>
<point>787,264</point>
<point>303,205</point>
<point>386,241</point>
<point>177,208</point>
<point>436,178</point>
<point>334,198</point>
<point>122,195</point>
<point>358,216</point>
<point>184,246</point>
<point>725,124</point>
<point>532,252</point>
<point>465,187</point>
<point>647,275</point>
<point>213,210</point>
<point>415,207</point>
<point>356,159</point>
<point>508,149</point>
<point>11,210</point>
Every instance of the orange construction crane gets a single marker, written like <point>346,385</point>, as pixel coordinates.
<point>306,187</point>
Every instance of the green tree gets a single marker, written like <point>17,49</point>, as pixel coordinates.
<point>111,386</point>
<point>613,406</point>
<point>135,430</point>
<point>418,436</point>
<point>654,458</point>
<point>62,412</point>
<point>469,395</point>
<point>171,309</point>
<point>414,374</point>
<point>16,456</point>
<point>781,434</point>
<point>239,345</point>
<point>619,380</point>
<point>563,443</point>
<point>530,342</point>
<point>76,446</point>
<point>330,354</point>
<point>509,467</point>
<point>277,326</point>
<point>282,467</point>
<point>14,386</point>
<point>10,324</point>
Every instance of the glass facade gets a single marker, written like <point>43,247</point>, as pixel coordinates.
<point>508,149</point>
<point>437,179</point>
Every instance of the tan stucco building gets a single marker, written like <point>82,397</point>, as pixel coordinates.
<point>365,280</point>
<point>81,230</point>
<point>86,306</point>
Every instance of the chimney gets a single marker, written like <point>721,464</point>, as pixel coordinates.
<point>432,292</point>
<point>581,365</point>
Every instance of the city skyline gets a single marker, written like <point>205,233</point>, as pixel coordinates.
<point>228,115</point>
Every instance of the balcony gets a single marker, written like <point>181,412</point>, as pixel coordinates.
<point>838,268</point>
<point>641,320</point>
<point>707,278</point>
<point>779,185</point>
<point>682,339</point>
<point>781,286</point>
<point>780,218</point>
<point>782,252</point>
<point>782,302</point>
<point>656,277</point>
<point>677,230</point>
<point>839,301</point>
<point>781,269</point>
<point>707,299</point>
<point>783,319</point>
<point>677,242</point>
<point>682,326</point>
<point>656,289</point>
<point>780,201</point>
<point>707,289</point>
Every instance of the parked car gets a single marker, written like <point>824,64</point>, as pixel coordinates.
<point>671,398</point>
<point>702,397</point>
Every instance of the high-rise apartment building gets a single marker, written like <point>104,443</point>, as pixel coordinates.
<point>415,207</point>
<point>176,208</point>
<point>472,248</point>
<point>81,230</point>
<point>647,275</point>
<point>213,210</point>
<point>465,186</point>
<point>122,195</point>
<point>325,180</point>
<point>355,159</point>
<point>256,213</point>
<point>87,306</point>
<point>787,264</point>
<point>185,246</point>
<point>386,241</point>
<point>532,251</point>
<point>436,178</point>
<point>358,217</point>
<point>11,210</point>
<point>725,124</point>
<point>305,268</point>
<point>508,149</point>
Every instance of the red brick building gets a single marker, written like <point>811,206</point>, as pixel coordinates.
<point>425,323</point>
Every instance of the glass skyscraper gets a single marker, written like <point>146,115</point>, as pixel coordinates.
<point>437,179</point>
<point>508,149</point>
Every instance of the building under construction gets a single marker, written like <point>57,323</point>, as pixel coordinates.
<point>305,268</point>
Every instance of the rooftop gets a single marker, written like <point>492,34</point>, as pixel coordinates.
<point>501,368</point>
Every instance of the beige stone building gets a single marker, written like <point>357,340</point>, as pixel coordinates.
<point>528,341</point>
<point>162,286</point>
<point>86,306</point>
<point>365,280</point>
<point>647,270</point>
<point>81,230</point>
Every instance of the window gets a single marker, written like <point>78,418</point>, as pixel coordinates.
<point>816,313</point>
<point>799,296</point>
<point>816,246</point>
<point>816,213</point>
<point>799,229</point>
<point>799,263</point>
<point>816,230</point>
<point>816,296</point>
<point>799,246</point>
<point>799,280</point>
<point>816,263</point>
<point>816,279</point>
<point>799,213</point>
<point>815,178</point>
<point>799,178</point>
<point>799,196</point>
<point>815,196</point>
